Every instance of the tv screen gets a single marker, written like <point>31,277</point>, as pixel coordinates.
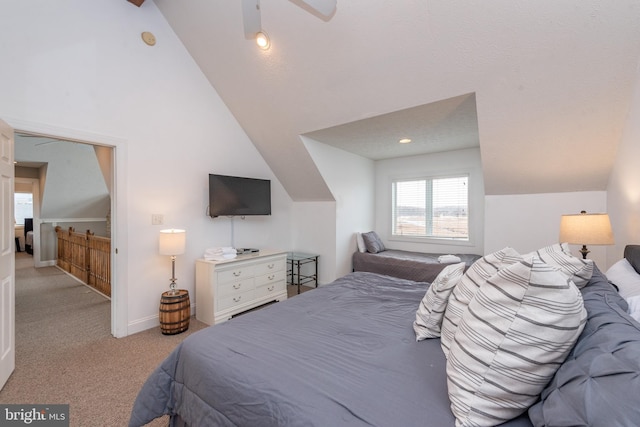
<point>238,196</point>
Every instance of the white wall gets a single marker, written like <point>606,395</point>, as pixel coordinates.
<point>75,186</point>
<point>452,162</point>
<point>313,231</point>
<point>623,192</point>
<point>81,67</point>
<point>530,221</point>
<point>351,180</point>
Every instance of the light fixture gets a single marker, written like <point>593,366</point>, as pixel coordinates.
<point>586,229</point>
<point>172,242</point>
<point>262,39</point>
<point>405,140</point>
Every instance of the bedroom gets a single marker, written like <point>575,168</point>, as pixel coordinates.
<point>81,69</point>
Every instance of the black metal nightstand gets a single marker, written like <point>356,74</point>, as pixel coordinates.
<point>295,276</point>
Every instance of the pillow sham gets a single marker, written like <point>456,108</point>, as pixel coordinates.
<point>624,276</point>
<point>372,242</point>
<point>360,243</point>
<point>434,303</point>
<point>475,276</point>
<point>559,255</point>
<point>634,307</point>
<point>517,330</point>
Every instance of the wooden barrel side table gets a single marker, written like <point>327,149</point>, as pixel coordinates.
<point>175,311</point>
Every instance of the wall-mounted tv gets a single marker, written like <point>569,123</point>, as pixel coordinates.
<point>238,196</point>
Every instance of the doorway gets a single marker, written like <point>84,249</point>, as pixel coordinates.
<point>113,154</point>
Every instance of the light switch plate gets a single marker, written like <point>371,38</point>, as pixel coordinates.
<point>157,219</point>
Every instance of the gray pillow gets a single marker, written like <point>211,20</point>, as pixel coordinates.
<point>599,382</point>
<point>372,242</point>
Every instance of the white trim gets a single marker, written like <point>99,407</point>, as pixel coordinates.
<point>119,265</point>
<point>141,325</point>
<point>56,220</point>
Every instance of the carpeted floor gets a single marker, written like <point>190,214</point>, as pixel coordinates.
<point>65,352</point>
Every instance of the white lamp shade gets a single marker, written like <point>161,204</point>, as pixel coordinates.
<point>586,229</point>
<point>172,241</point>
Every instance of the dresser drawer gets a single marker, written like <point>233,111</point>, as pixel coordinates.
<point>237,287</point>
<point>270,266</point>
<point>235,274</point>
<point>264,279</point>
<point>231,301</point>
<point>270,288</point>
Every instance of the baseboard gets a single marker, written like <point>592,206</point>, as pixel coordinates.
<point>149,322</point>
<point>143,324</point>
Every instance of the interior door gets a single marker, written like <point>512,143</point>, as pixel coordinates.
<point>7,260</point>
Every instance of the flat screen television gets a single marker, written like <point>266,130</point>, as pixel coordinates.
<point>238,196</point>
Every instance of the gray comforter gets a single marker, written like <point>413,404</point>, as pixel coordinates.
<point>344,354</point>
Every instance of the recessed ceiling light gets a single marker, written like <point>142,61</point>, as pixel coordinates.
<point>262,39</point>
<point>404,141</point>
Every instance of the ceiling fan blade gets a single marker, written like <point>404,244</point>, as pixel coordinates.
<point>251,18</point>
<point>325,8</point>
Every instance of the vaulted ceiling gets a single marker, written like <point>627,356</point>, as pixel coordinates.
<point>544,87</point>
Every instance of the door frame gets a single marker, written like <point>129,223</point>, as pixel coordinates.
<point>119,265</point>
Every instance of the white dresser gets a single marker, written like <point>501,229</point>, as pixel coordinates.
<point>225,288</point>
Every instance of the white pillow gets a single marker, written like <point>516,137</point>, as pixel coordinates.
<point>634,307</point>
<point>360,243</point>
<point>476,275</point>
<point>516,332</point>
<point>625,278</point>
<point>434,303</point>
<point>559,255</point>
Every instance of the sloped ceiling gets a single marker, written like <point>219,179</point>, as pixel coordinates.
<point>551,81</point>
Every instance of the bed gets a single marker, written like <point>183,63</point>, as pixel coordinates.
<point>417,266</point>
<point>346,354</point>
<point>373,256</point>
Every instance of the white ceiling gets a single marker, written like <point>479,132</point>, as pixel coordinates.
<point>451,124</point>
<point>543,86</point>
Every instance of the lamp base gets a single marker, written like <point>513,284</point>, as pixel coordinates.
<point>584,251</point>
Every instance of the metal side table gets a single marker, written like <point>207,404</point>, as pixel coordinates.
<point>295,261</point>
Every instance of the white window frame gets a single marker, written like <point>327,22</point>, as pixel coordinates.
<point>432,239</point>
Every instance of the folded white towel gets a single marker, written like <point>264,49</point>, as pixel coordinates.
<point>220,251</point>
<point>220,257</point>
<point>219,254</point>
<point>446,259</point>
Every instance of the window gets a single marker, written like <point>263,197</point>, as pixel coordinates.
<point>23,207</point>
<point>431,207</point>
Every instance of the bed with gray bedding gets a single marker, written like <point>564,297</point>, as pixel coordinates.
<point>418,266</point>
<point>345,354</point>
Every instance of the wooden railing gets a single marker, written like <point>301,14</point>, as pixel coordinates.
<point>86,257</point>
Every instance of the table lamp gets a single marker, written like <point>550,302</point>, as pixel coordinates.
<point>586,229</point>
<point>172,242</point>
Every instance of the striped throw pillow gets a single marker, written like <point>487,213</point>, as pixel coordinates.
<point>559,255</point>
<point>516,332</point>
<point>462,294</point>
<point>432,307</point>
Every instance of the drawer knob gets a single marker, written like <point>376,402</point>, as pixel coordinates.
<point>237,285</point>
<point>271,266</point>
<point>237,299</point>
<point>237,273</point>
<point>271,288</point>
<point>271,276</point>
